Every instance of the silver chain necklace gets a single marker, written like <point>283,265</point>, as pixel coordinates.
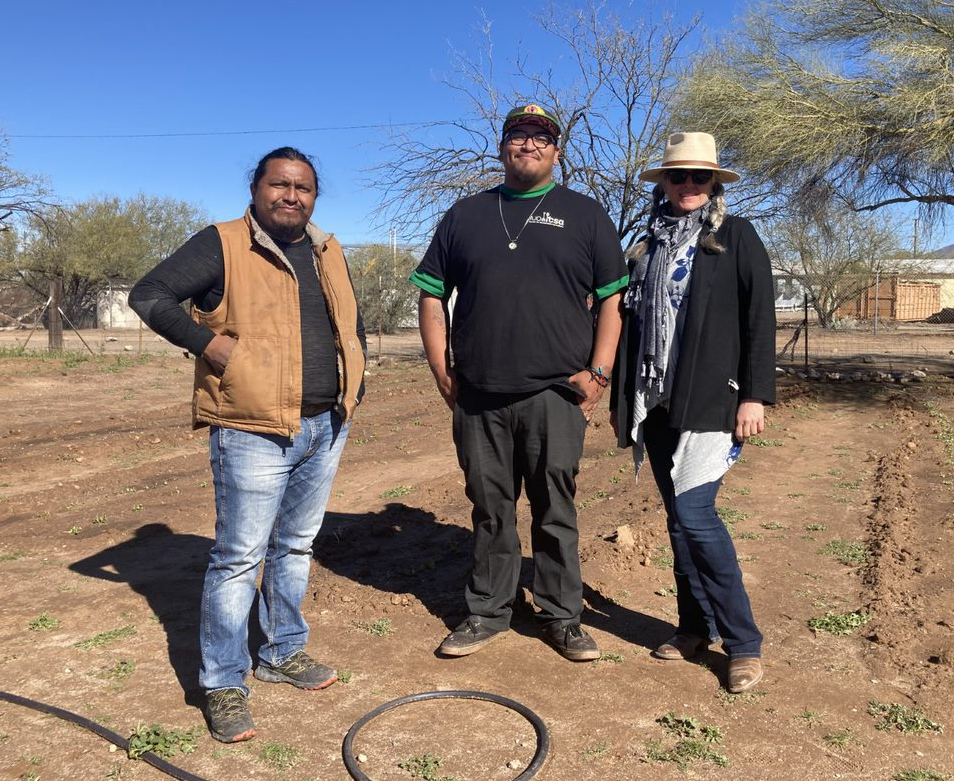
<point>513,240</point>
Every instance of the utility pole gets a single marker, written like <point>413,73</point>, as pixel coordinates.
<point>915,237</point>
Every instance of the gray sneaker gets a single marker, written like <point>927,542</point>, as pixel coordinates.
<point>229,718</point>
<point>299,670</point>
<point>572,642</point>
<point>470,636</point>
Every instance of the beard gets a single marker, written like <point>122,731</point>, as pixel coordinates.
<point>282,226</point>
<point>524,177</point>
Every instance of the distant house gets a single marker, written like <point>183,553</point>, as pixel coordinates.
<point>113,310</point>
<point>789,293</point>
<point>923,289</point>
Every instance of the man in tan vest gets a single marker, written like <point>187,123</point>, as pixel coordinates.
<point>279,369</point>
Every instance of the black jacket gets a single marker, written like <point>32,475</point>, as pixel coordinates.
<point>728,339</point>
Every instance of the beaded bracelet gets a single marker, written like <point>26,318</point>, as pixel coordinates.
<point>597,374</point>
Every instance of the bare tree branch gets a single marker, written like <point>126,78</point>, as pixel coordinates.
<point>21,195</point>
<point>611,91</point>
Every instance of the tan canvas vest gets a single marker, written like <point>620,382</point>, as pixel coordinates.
<point>260,389</point>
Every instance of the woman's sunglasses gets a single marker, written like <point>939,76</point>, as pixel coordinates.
<point>680,176</point>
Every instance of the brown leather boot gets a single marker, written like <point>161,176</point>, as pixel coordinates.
<point>744,673</point>
<point>679,647</point>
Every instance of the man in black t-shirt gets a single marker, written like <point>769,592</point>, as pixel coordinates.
<point>538,271</point>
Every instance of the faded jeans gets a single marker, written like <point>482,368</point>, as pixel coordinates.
<point>270,498</point>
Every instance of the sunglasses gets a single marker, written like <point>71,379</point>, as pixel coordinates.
<point>680,176</point>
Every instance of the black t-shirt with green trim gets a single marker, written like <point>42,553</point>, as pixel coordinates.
<point>523,318</point>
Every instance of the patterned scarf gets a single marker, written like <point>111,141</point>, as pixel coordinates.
<point>648,290</point>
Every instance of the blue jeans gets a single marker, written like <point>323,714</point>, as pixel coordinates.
<point>710,595</point>
<point>270,497</point>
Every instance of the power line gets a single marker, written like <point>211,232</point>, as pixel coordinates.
<point>234,132</point>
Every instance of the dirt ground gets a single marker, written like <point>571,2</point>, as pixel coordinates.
<point>106,518</point>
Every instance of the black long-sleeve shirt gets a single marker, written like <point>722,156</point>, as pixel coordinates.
<point>197,270</point>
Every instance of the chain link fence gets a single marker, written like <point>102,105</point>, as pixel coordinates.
<point>886,320</point>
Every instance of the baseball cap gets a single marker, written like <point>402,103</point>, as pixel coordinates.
<point>532,115</point>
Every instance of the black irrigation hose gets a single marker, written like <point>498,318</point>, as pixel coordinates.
<point>543,736</point>
<point>117,740</point>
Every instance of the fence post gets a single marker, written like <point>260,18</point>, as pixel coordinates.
<point>805,329</point>
<point>877,299</point>
<point>55,334</point>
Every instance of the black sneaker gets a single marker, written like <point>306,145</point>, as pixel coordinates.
<point>572,642</point>
<point>470,636</point>
<point>229,718</point>
<point>299,670</point>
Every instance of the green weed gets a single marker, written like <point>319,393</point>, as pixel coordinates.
<point>772,526</point>
<point>693,742</point>
<point>663,558</point>
<point>162,742</point>
<point>758,441</point>
<point>398,490</point>
<point>748,536</point>
<point>595,751</point>
<point>815,527</point>
<point>378,628</point>
<point>345,676</point>
<point>726,698</point>
<point>902,718</point>
<point>279,756</point>
<point>851,553</point>
<point>851,485</point>
<point>122,669</point>
<point>426,767</point>
<point>14,555</point>
<point>920,775</point>
<point>841,739</point>
<point>809,717</point>
<point>609,656</point>
<point>105,638</point>
<point>945,430</point>
<point>730,515</point>
<point>43,623</point>
<point>121,362</point>
<point>839,623</point>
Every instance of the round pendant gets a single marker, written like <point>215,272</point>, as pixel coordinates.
<point>512,245</point>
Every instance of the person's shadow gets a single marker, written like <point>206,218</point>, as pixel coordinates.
<point>168,570</point>
<point>401,550</point>
<point>405,550</point>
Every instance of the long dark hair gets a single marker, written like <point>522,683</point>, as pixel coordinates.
<point>284,153</point>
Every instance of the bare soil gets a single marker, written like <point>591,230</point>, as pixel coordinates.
<point>106,514</point>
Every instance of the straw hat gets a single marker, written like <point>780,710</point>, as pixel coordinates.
<point>692,151</point>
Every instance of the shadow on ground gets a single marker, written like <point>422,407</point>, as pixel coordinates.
<point>168,570</point>
<point>405,550</point>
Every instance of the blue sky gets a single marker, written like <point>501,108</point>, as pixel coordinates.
<point>113,69</point>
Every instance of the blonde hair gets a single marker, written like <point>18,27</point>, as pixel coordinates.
<point>717,212</point>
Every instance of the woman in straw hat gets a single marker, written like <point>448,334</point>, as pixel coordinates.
<point>694,371</point>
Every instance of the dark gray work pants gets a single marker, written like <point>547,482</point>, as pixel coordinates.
<point>505,441</point>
